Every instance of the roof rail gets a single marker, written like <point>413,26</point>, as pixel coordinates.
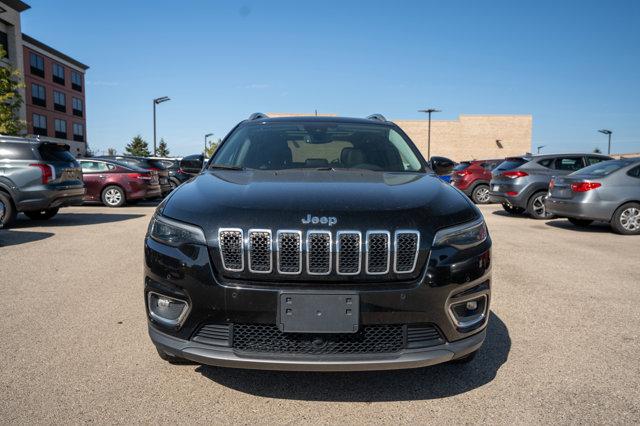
<point>378,117</point>
<point>257,116</point>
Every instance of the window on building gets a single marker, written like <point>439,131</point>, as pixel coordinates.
<point>76,81</point>
<point>38,95</point>
<point>77,107</point>
<point>58,73</point>
<point>78,132</point>
<point>61,128</point>
<point>39,125</point>
<point>59,101</point>
<point>37,64</point>
<point>4,43</point>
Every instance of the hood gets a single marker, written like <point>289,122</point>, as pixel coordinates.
<point>358,200</point>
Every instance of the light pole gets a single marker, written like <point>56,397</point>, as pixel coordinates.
<point>205,143</point>
<point>429,111</point>
<point>540,147</point>
<point>608,133</point>
<point>157,101</point>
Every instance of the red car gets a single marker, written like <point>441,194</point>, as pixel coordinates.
<point>472,178</point>
<point>114,184</point>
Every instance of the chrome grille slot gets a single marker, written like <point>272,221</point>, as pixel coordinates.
<point>406,251</point>
<point>259,251</point>
<point>319,252</point>
<point>289,246</point>
<point>348,248</point>
<point>231,248</point>
<point>378,251</point>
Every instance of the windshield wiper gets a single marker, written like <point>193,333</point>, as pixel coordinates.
<point>226,167</point>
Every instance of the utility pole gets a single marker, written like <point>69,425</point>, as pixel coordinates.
<point>608,133</point>
<point>157,101</point>
<point>205,143</point>
<point>429,111</point>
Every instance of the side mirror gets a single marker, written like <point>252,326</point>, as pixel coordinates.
<point>441,165</point>
<point>192,164</point>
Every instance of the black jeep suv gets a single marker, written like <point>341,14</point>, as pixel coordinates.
<point>314,243</point>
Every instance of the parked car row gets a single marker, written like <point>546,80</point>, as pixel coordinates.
<point>38,177</point>
<point>580,187</point>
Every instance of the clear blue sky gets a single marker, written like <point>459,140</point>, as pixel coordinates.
<point>573,65</point>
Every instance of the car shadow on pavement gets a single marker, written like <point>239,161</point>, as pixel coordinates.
<point>514,215</point>
<point>13,238</point>
<point>438,381</point>
<point>596,227</point>
<point>73,219</point>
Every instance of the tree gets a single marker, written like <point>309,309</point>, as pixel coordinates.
<point>10,99</point>
<point>111,151</point>
<point>163,149</point>
<point>597,151</point>
<point>138,146</point>
<point>88,151</point>
<point>211,148</point>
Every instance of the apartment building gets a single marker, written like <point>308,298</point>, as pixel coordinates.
<point>54,94</point>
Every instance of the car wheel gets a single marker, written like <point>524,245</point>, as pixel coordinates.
<point>480,194</point>
<point>580,222</point>
<point>465,359</point>
<point>512,209</point>
<point>7,211</point>
<point>626,220</point>
<point>42,214</point>
<point>172,359</point>
<point>536,207</point>
<point>113,196</point>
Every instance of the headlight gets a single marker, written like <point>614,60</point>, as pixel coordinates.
<point>462,236</point>
<point>174,233</point>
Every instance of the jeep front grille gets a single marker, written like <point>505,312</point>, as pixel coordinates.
<point>231,248</point>
<point>319,252</point>
<point>352,252</point>
<point>260,251</point>
<point>378,252</point>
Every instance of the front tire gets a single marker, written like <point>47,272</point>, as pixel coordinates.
<point>626,219</point>
<point>581,223</point>
<point>536,207</point>
<point>42,214</point>
<point>7,211</point>
<point>480,195</point>
<point>113,196</point>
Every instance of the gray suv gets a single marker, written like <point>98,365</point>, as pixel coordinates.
<point>37,178</point>
<point>520,184</point>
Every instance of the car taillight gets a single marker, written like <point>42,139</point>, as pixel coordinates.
<point>511,193</point>
<point>139,176</point>
<point>515,174</point>
<point>48,174</point>
<point>585,186</point>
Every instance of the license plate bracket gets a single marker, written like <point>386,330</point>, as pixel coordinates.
<point>302,312</point>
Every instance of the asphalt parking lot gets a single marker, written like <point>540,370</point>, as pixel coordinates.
<point>563,343</point>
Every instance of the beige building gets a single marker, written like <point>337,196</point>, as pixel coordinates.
<point>467,138</point>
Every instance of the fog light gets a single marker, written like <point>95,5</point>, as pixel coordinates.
<point>167,310</point>
<point>469,313</point>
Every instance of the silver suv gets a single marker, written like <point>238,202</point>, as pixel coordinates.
<point>37,178</point>
<point>521,183</point>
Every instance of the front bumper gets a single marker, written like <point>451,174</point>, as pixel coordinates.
<point>450,277</point>
<point>226,357</point>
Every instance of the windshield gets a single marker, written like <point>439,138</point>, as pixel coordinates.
<point>279,146</point>
<point>602,169</point>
